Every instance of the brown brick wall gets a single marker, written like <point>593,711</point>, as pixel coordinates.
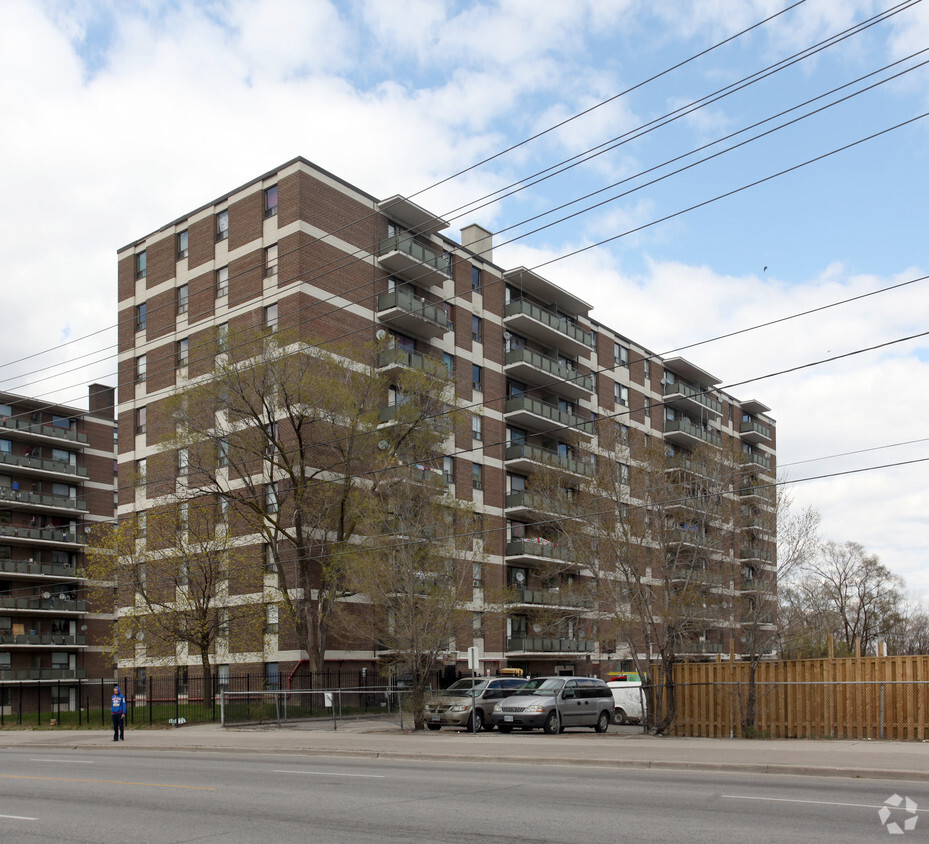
<point>201,241</point>
<point>162,261</point>
<point>246,220</point>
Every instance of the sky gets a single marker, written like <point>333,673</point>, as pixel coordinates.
<point>119,116</point>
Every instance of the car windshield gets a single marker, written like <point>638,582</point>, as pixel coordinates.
<point>545,687</point>
<point>463,687</point>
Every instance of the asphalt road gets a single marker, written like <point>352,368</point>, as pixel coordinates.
<point>121,795</point>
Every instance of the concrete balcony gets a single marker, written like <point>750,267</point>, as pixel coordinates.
<point>19,497</point>
<point>535,368</point>
<point>756,552</point>
<point>54,537</point>
<point>402,310</point>
<point>549,328</point>
<point>40,468</point>
<point>56,605</point>
<point>525,458</point>
<point>39,433</point>
<point>541,645</point>
<point>533,550</point>
<point>56,571</point>
<point>691,399</point>
<point>41,640</point>
<point>566,598</point>
<point>531,506</point>
<point>531,413</point>
<point>688,434</point>
<point>44,674</point>
<point>391,360</point>
<point>755,432</point>
<point>402,256</point>
<point>760,460</point>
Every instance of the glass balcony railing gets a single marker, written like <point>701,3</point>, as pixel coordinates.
<point>412,360</point>
<point>556,645</point>
<point>757,459</point>
<point>693,394</point>
<point>525,451</point>
<point>406,302</point>
<point>47,569</point>
<point>515,404</point>
<point>61,502</point>
<point>551,367</point>
<point>756,429</point>
<point>686,427</point>
<point>537,548</point>
<point>56,604</point>
<point>755,552</point>
<point>58,466</point>
<point>44,534</point>
<point>44,674</point>
<point>28,427</point>
<point>406,245</point>
<point>552,598</point>
<point>7,638</point>
<point>561,324</point>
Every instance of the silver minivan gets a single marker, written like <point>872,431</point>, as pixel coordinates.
<point>452,707</point>
<point>556,703</point>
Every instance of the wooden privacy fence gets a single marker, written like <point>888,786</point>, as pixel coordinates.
<point>854,698</point>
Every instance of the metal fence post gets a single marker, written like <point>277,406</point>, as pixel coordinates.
<point>222,708</point>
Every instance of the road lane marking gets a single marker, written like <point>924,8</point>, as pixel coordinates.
<point>811,802</point>
<point>66,761</point>
<point>17,818</point>
<point>107,782</point>
<point>334,774</point>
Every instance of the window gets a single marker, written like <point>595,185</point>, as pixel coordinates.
<point>477,374</point>
<point>141,264</point>
<point>476,329</point>
<point>183,461</point>
<point>222,629</point>
<point>647,406</point>
<point>222,282</point>
<point>477,427</point>
<point>222,336</point>
<point>222,456</point>
<point>271,618</point>
<point>270,558</point>
<point>271,498</point>
<point>623,470</point>
<point>271,317</point>
<point>5,661</point>
<point>140,415</point>
<point>223,510</point>
<point>140,317</point>
<point>182,245</point>
<point>183,517</point>
<point>475,278</point>
<point>222,225</point>
<point>272,676</point>
<point>141,368</point>
<point>62,455</point>
<point>141,471</point>
<point>621,394</point>
<point>448,469</point>
<point>183,293</point>
<point>477,476</point>
<point>222,671</point>
<point>183,352</point>
<point>64,491</point>
<point>449,360</point>
<point>271,201</point>
<point>271,261</point>
<point>620,355</point>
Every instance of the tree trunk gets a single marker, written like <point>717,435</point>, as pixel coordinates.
<point>750,705</point>
<point>207,677</point>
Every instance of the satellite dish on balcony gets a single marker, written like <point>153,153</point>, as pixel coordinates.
<point>62,596</point>
<point>83,628</point>
<point>46,595</point>
<point>381,334</point>
<point>536,628</point>
<point>383,445</point>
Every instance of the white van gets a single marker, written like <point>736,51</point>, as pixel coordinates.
<point>628,697</point>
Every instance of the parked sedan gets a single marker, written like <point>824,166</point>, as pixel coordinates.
<point>556,703</point>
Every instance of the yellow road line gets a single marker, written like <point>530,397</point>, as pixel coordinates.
<point>107,782</point>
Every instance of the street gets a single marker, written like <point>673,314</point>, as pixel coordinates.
<point>121,794</point>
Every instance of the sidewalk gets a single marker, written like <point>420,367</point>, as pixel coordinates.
<point>375,739</point>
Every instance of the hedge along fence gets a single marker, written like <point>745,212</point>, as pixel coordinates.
<point>850,698</point>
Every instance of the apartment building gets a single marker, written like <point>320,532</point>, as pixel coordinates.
<point>300,250</point>
<point>57,479</point>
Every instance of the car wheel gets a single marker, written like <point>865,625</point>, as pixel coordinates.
<point>552,724</point>
<point>434,726</point>
<point>603,722</point>
<point>475,722</point>
<point>619,715</point>
<point>505,728</point>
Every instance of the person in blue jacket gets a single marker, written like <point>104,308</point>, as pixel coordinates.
<point>118,711</point>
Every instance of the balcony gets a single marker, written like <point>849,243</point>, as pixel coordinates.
<point>694,575</point>
<point>44,674</point>
<point>529,506</point>
<point>37,467</point>
<point>751,459</point>
<point>550,646</point>
<point>531,413</point>
<point>391,360</point>
<point>401,309</point>
<point>46,502</point>
<point>753,431</point>
<point>536,368</point>
<point>702,648</point>
<point>402,256</point>
<point>534,549</point>
<point>56,605</point>
<point>57,536</point>
<point>42,640</point>
<point>688,434</point>
<point>568,598</point>
<point>526,458</point>
<point>549,328</point>
<point>58,571</point>
<point>691,399</point>
<point>755,552</point>
<point>43,433</point>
